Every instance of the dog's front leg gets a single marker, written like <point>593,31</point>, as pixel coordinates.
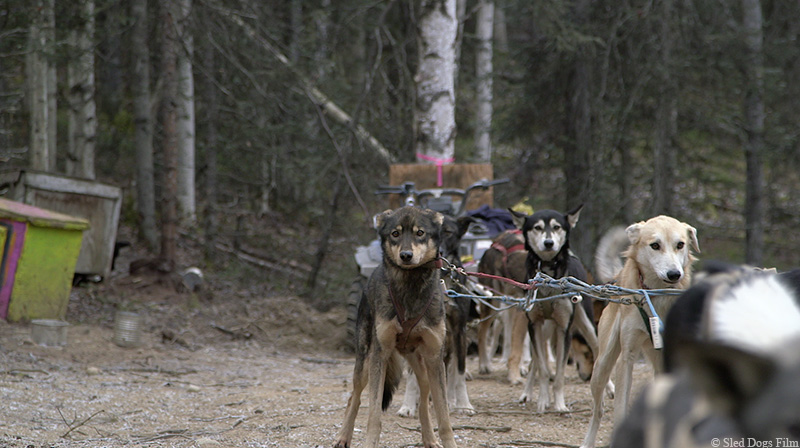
<point>437,389</point>
<point>353,403</point>
<point>381,351</point>
<point>559,403</point>
<point>540,343</point>
<point>487,339</point>
<point>519,323</point>
<point>420,370</point>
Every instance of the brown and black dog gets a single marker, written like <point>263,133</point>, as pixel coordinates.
<point>401,314</point>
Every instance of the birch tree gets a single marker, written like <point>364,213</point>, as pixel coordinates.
<point>140,89</point>
<point>82,126</point>
<point>185,114</point>
<point>754,129</point>
<point>434,115</point>
<point>483,72</point>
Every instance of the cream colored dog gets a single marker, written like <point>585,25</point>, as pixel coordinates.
<point>658,257</point>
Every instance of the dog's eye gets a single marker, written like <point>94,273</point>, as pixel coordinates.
<point>420,232</point>
<point>680,245</point>
<point>538,228</point>
<point>556,227</point>
<point>655,246</point>
<point>395,233</point>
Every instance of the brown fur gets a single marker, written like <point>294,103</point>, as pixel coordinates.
<point>402,314</point>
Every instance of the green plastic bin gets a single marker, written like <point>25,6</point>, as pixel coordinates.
<point>40,249</point>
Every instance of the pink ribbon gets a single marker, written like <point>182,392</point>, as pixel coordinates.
<point>439,163</point>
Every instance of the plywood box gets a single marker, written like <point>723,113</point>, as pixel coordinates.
<point>460,175</point>
<point>96,202</point>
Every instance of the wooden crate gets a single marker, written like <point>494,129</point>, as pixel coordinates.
<point>96,202</point>
<point>460,175</point>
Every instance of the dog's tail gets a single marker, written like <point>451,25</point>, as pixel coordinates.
<point>394,373</point>
<point>608,256</point>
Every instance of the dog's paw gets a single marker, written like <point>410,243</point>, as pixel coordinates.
<point>406,411</point>
<point>342,444</point>
<point>468,375</point>
<point>560,407</point>
<point>514,379</point>
<point>523,398</point>
<point>542,406</point>
<point>610,390</point>
<point>463,409</point>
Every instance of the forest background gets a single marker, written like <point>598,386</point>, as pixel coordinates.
<point>263,127</point>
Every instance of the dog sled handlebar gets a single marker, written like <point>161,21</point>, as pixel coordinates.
<point>412,196</point>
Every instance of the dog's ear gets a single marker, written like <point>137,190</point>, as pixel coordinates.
<point>380,218</point>
<point>573,216</point>
<point>633,231</point>
<point>463,224</point>
<point>692,232</point>
<point>438,218</point>
<point>518,218</point>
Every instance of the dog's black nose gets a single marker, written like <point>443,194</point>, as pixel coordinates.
<point>548,244</point>
<point>674,275</point>
<point>406,255</point>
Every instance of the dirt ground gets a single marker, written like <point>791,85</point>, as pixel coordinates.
<point>228,368</point>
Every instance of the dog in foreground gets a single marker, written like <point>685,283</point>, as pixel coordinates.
<point>458,312</point>
<point>401,314</point>
<point>735,370</point>
<point>658,257</point>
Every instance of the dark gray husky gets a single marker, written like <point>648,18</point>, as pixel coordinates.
<point>402,314</point>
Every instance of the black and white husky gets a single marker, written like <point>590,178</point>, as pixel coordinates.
<point>732,354</point>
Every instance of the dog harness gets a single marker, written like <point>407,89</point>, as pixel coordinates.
<point>407,325</point>
<point>506,251</point>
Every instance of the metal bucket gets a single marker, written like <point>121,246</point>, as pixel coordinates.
<point>127,329</point>
<point>49,332</point>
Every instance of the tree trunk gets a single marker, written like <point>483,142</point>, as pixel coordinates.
<point>82,127</point>
<point>186,115</point>
<point>500,30</point>
<point>143,138</point>
<point>483,73</point>
<point>211,116</point>
<point>38,68</point>
<point>295,29</point>
<point>169,11</point>
<point>49,12</point>
<point>666,118</point>
<point>322,55</point>
<point>578,170</point>
<point>754,128</point>
<point>434,114</point>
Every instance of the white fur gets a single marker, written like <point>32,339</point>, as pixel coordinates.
<point>758,313</point>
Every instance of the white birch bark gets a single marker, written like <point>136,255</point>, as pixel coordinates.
<point>435,107</point>
<point>483,72</point>
<point>186,117</point>
<point>82,127</point>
